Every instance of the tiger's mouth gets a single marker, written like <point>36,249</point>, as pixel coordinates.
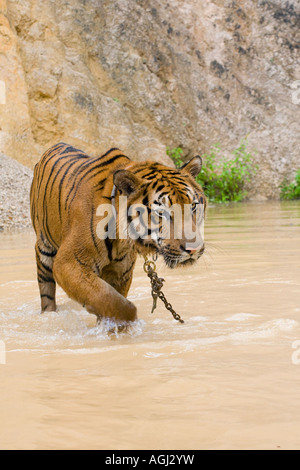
<point>175,260</point>
<point>177,263</point>
<point>172,258</point>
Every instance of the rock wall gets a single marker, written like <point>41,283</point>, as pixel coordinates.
<point>15,183</point>
<point>142,75</point>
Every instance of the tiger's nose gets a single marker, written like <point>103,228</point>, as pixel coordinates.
<point>192,250</point>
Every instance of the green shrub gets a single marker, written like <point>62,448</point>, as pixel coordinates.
<point>176,156</point>
<point>223,179</point>
<point>292,190</point>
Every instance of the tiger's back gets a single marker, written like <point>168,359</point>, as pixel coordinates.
<point>66,182</point>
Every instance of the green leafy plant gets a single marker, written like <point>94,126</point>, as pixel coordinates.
<point>292,190</point>
<point>176,156</point>
<point>223,179</point>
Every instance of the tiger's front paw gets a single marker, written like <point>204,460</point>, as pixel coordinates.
<point>129,313</point>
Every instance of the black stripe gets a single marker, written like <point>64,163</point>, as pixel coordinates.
<point>165,193</point>
<point>108,152</point>
<point>141,169</point>
<point>145,200</point>
<point>50,155</point>
<point>100,188</point>
<point>149,173</point>
<point>51,173</point>
<point>90,170</point>
<point>108,245</point>
<point>53,168</point>
<point>155,183</point>
<point>46,268</point>
<point>60,187</point>
<point>150,177</point>
<point>80,262</point>
<point>47,296</point>
<point>50,150</point>
<point>77,173</point>
<point>48,245</point>
<point>67,150</point>
<point>42,278</point>
<point>170,172</point>
<point>81,169</point>
<point>46,229</point>
<point>102,164</point>
<point>95,175</point>
<point>142,242</point>
<point>42,164</point>
<point>129,269</point>
<point>97,270</point>
<point>71,149</point>
<point>119,260</point>
<point>162,186</point>
<point>47,232</point>
<point>92,230</point>
<point>177,180</point>
<point>72,187</point>
<point>73,159</point>
<point>45,253</point>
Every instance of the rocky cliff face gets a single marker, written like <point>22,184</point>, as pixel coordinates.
<point>142,75</point>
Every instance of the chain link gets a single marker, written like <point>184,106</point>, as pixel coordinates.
<point>156,286</point>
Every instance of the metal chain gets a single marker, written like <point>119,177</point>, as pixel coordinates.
<point>156,286</point>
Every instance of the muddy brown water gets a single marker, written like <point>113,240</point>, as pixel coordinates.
<point>228,378</point>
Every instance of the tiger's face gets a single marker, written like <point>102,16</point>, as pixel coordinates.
<point>165,210</point>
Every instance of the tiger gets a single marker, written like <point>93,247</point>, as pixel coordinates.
<point>67,189</point>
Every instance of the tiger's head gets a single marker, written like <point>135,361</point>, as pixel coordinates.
<point>165,210</point>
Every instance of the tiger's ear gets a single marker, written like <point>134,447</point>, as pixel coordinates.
<point>126,182</point>
<point>193,167</point>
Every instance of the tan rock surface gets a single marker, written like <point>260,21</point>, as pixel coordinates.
<point>144,75</point>
<point>15,185</point>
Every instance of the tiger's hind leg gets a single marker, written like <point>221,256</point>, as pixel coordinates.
<point>45,256</point>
